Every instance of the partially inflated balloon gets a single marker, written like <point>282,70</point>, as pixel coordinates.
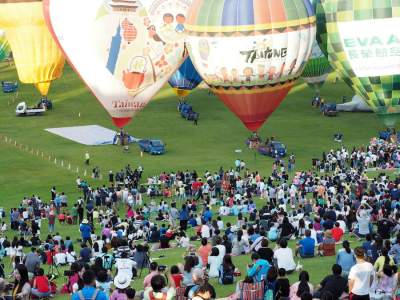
<point>37,58</point>
<point>4,46</point>
<point>318,67</point>
<point>364,46</point>
<point>185,79</point>
<point>250,52</point>
<point>124,51</point>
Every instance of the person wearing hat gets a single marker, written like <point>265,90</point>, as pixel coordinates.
<point>121,282</point>
<point>86,231</point>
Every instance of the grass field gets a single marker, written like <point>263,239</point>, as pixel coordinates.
<point>211,144</point>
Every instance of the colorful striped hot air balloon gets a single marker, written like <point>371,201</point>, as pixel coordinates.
<point>36,55</point>
<point>250,52</point>
<point>4,46</point>
<point>363,44</point>
<point>185,79</point>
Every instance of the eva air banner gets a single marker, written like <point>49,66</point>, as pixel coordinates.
<point>372,47</point>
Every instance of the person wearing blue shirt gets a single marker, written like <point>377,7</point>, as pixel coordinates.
<point>306,246</point>
<point>86,231</point>
<point>345,258</point>
<point>207,215</point>
<point>89,290</point>
<point>259,269</point>
<point>183,217</point>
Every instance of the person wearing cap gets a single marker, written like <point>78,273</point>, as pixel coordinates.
<point>86,231</point>
<point>361,276</point>
<point>121,282</point>
<point>89,291</point>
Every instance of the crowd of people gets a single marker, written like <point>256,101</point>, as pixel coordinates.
<point>315,210</point>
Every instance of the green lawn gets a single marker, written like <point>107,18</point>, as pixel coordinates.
<point>211,144</point>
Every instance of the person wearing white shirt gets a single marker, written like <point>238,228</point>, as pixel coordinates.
<point>284,257</point>
<point>361,276</point>
<point>124,265</point>
<point>205,230</point>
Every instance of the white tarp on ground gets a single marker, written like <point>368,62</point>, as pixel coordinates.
<point>91,135</point>
<point>357,104</point>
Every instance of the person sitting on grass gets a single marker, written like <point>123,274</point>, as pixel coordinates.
<point>282,286</point>
<point>259,268</point>
<point>40,285</point>
<point>89,291</point>
<point>159,289</point>
<point>334,284</point>
<point>306,246</point>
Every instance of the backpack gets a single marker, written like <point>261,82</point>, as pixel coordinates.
<point>151,296</point>
<point>226,275</point>
<point>108,260</point>
<point>94,296</point>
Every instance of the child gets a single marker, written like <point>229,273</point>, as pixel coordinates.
<point>282,286</point>
<point>102,282</point>
<point>41,285</point>
<point>176,276</point>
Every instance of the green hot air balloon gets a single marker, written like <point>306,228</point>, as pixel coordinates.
<point>4,46</point>
<point>363,44</point>
<point>317,69</point>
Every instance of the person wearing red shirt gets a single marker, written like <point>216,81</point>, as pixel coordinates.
<point>337,232</point>
<point>176,276</point>
<point>41,285</point>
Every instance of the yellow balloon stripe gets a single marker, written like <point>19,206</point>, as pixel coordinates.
<point>254,27</point>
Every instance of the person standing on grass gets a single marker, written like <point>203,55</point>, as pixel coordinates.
<point>361,276</point>
<point>52,221</point>
<point>87,158</point>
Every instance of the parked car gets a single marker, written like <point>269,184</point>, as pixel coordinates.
<point>152,146</point>
<point>273,149</point>
<point>9,86</point>
<point>187,112</point>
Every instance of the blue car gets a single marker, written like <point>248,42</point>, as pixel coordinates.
<point>273,149</point>
<point>9,87</point>
<point>187,112</point>
<point>152,146</point>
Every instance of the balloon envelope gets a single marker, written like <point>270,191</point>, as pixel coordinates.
<point>250,52</point>
<point>185,79</point>
<point>4,46</point>
<point>124,51</point>
<point>36,55</point>
<point>363,43</point>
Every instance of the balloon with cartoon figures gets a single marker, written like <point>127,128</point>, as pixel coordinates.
<point>124,50</point>
<point>250,52</point>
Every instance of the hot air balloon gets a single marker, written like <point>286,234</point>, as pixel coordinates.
<point>4,46</point>
<point>37,58</point>
<point>185,79</point>
<point>124,74</point>
<point>250,52</point>
<point>317,69</point>
<point>363,44</point>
